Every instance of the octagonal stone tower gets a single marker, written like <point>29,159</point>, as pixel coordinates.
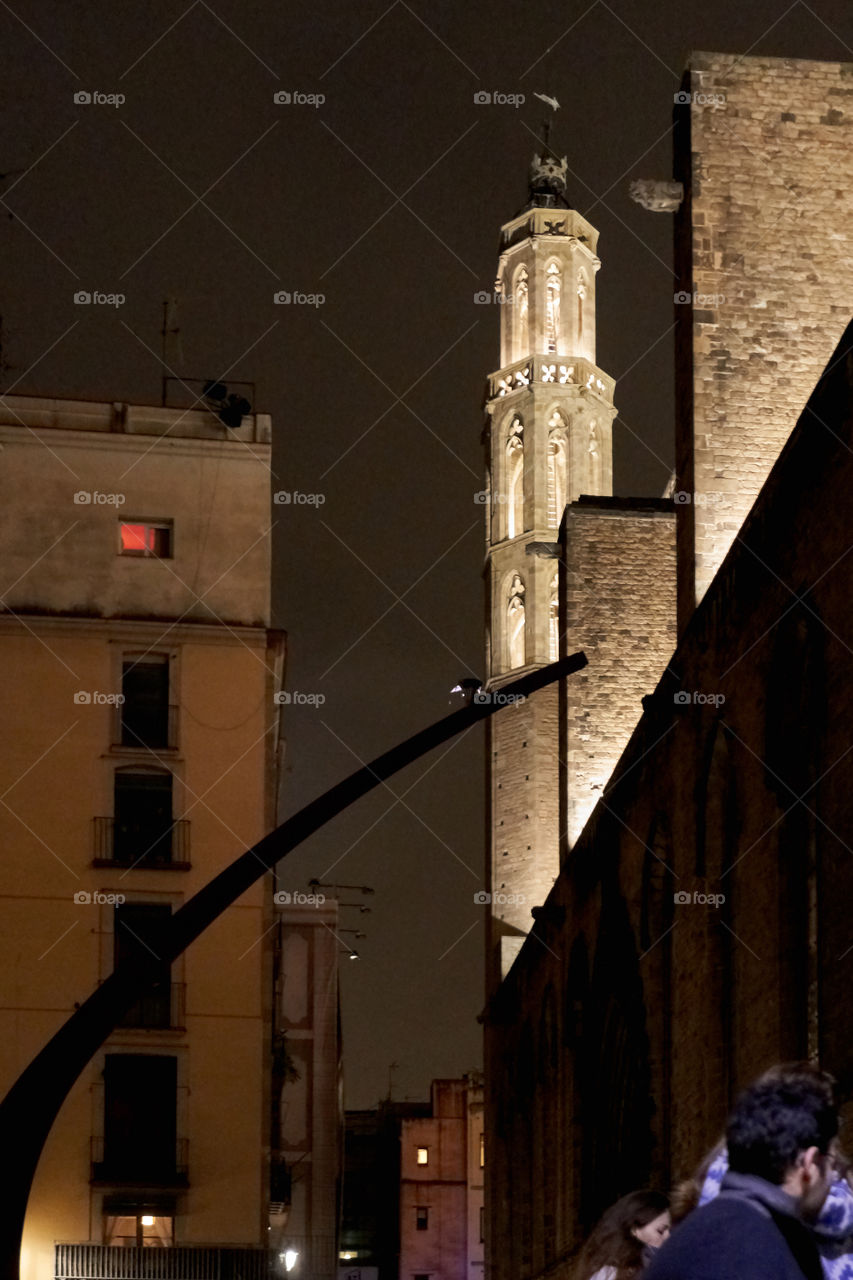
<point>549,440</point>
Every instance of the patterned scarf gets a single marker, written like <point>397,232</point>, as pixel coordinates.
<point>833,1229</point>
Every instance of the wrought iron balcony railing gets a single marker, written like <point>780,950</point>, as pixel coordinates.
<point>117,1165</point>
<point>154,847</point>
<point>161,1008</point>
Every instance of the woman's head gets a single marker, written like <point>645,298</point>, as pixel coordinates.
<point>638,1221</point>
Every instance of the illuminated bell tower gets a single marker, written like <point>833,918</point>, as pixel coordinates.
<point>550,414</point>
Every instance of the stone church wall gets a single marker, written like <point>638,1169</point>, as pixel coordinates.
<point>764,148</point>
<point>701,927</point>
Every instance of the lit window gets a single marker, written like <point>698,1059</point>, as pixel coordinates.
<point>482,1150</point>
<point>134,1230</point>
<point>146,538</point>
<point>423,1155</point>
<point>421,1217</point>
<point>347,1255</point>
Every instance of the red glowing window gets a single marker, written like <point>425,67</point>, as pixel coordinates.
<point>145,538</point>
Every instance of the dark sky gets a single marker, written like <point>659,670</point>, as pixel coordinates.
<point>387,199</point>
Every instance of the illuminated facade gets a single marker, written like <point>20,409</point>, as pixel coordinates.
<point>550,412</point>
<point>139,677</point>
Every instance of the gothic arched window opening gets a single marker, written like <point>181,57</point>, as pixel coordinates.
<point>521,325</point>
<point>515,623</point>
<point>515,479</point>
<point>558,438</point>
<point>553,286</point>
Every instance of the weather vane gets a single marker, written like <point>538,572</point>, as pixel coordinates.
<point>546,124</point>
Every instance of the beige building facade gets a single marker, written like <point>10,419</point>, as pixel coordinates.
<point>308,1133</point>
<point>140,672</point>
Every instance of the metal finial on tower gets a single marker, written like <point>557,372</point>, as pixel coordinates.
<point>547,170</point>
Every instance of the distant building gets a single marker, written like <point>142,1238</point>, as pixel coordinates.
<point>370,1233</point>
<point>413,1187</point>
<point>308,1128</point>
<point>139,673</point>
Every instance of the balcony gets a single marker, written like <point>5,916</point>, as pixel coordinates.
<point>555,371</point>
<point>156,849</point>
<point>177,1262</point>
<point>162,1008</point>
<point>116,1166</point>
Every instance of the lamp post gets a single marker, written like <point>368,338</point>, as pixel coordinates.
<point>31,1106</point>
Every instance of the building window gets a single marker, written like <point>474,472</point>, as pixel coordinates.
<point>482,1150</point>
<point>143,817</point>
<point>140,930</point>
<point>421,1217</point>
<point>482,1224</point>
<point>145,710</point>
<point>146,538</point>
<point>139,1223</point>
<point>140,1119</point>
<point>421,1275</point>
<point>423,1155</point>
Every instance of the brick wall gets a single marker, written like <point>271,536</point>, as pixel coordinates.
<point>763,245</point>
<point>619,607</point>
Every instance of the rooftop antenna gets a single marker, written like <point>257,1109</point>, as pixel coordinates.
<point>171,334</point>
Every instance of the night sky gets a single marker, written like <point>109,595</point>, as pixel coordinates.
<point>386,199</point>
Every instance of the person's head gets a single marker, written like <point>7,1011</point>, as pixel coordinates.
<point>638,1221</point>
<point>782,1129</point>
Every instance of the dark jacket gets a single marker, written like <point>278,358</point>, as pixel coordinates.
<point>751,1231</point>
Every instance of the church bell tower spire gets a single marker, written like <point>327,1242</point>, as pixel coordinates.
<point>549,440</point>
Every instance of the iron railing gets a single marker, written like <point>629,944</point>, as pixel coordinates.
<point>128,1168</point>
<point>171,1262</point>
<point>162,849</point>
